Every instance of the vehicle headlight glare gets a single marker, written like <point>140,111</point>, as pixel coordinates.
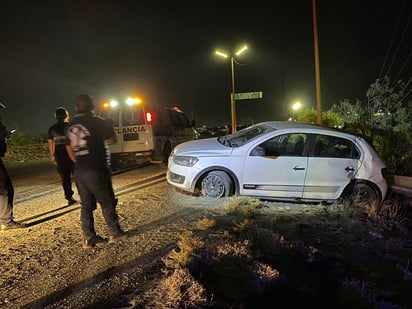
<point>185,160</point>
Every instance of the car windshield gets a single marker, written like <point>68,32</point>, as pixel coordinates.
<point>244,136</point>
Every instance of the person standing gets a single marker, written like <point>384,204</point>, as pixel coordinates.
<point>59,155</point>
<point>6,186</point>
<point>88,135</point>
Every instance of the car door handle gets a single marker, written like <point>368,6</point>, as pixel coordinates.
<point>297,168</point>
<point>349,169</point>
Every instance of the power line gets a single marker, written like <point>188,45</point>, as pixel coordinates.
<point>403,66</point>
<point>400,43</point>
<point>393,39</point>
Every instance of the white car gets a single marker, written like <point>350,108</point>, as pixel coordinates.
<point>280,160</point>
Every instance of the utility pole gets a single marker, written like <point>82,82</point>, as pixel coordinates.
<point>232,97</point>
<point>317,71</point>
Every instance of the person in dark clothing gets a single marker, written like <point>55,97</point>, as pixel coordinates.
<point>6,186</point>
<point>88,135</point>
<point>58,144</point>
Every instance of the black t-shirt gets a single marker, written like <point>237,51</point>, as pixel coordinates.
<point>87,135</point>
<point>58,135</point>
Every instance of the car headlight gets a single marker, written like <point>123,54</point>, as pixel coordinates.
<point>185,160</point>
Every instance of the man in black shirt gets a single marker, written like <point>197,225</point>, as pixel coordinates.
<point>88,135</point>
<point>59,155</point>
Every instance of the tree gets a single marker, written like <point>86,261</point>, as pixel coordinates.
<point>329,118</point>
<point>386,119</point>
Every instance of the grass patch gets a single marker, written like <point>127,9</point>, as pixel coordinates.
<point>245,256</point>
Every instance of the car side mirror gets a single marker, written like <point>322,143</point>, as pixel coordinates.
<point>258,152</point>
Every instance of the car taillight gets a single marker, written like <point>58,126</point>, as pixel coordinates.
<point>149,118</point>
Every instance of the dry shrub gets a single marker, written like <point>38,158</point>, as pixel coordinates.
<point>243,226</point>
<point>385,215</point>
<point>264,240</point>
<point>393,211</point>
<point>239,249</point>
<point>370,209</point>
<point>179,290</point>
<point>264,273</point>
<point>244,205</point>
<point>205,224</point>
<point>187,244</point>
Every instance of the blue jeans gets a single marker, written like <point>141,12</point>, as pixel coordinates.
<point>95,185</point>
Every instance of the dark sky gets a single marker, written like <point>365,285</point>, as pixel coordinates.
<point>163,51</point>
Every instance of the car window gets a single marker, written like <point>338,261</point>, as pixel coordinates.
<point>282,145</point>
<point>162,118</point>
<point>244,136</point>
<point>179,119</point>
<point>134,117</point>
<point>335,147</point>
<point>112,114</point>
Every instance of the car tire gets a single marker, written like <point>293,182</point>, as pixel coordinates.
<point>216,184</point>
<point>364,193</point>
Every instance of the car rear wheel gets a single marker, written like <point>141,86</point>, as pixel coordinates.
<point>216,184</point>
<point>365,193</point>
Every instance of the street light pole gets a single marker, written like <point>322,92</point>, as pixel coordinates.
<point>317,71</point>
<point>232,97</point>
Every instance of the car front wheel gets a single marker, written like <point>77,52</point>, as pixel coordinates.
<point>216,184</point>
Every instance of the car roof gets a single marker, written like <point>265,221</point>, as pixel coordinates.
<point>279,125</point>
<point>299,125</point>
<point>294,124</point>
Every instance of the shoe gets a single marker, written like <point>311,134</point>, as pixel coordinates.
<point>121,235</point>
<point>95,241</point>
<point>12,225</point>
<point>71,201</point>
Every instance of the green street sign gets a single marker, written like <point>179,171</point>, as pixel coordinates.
<point>249,95</point>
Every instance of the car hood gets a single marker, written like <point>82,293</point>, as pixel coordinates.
<point>202,148</point>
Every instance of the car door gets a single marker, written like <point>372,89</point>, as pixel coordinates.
<point>276,168</point>
<point>332,163</point>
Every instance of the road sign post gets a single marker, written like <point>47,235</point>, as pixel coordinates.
<point>242,96</point>
<point>249,95</point>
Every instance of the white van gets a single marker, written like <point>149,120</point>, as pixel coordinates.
<point>145,135</point>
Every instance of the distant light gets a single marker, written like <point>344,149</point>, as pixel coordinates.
<point>105,105</point>
<point>133,101</point>
<point>222,54</point>
<point>113,103</point>
<point>241,50</point>
<point>296,106</point>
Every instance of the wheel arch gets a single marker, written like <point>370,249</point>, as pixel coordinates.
<point>350,187</point>
<point>199,177</point>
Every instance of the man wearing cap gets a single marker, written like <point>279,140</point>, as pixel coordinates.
<point>88,135</point>
<point>63,159</point>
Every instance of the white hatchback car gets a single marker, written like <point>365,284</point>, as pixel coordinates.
<point>280,160</point>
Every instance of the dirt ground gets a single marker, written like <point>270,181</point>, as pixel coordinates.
<point>45,265</point>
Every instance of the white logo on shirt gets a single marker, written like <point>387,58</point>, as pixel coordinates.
<point>78,134</point>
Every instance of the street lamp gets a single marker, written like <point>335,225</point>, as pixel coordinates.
<point>295,108</point>
<point>232,96</point>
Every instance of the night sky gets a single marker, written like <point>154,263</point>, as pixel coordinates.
<point>163,51</point>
